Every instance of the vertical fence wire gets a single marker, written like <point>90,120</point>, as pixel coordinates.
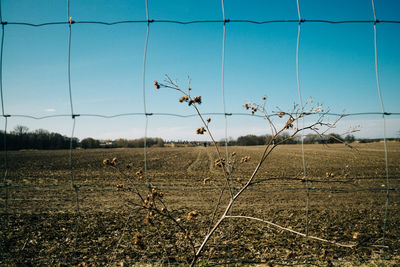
<point>225,113</point>
<point>384,126</point>
<point>223,80</point>
<point>69,57</point>
<point>74,186</point>
<point>4,218</point>
<point>302,121</point>
<point>146,176</point>
<point>5,152</point>
<point>70,90</point>
<point>1,64</point>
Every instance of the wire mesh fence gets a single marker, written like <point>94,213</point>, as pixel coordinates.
<point>65,199</point>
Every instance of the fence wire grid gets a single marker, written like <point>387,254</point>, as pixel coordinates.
<point>147,114</point>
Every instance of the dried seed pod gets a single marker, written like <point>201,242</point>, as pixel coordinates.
<point>289,124</point>
<point>219,162</point>
<point>281,114</point>
<point>148,220</point>
<point>187,235</point>
<point>120,186</point>
<point>155,194</point>
<point>192,215</point>
<point>106,161</point>
<point>264,98</point>
<point>246,106</point>
<point>138,241</point>
<point>197,99</point>
<point>138,237</point>
<point>184,99</point>
<point>201,130</point>
<point>157,85</point>
<point>208,120</point>
<point>245,159</point>
<point>356,235</point>
<point>289,253</point>
<point>139,173</point>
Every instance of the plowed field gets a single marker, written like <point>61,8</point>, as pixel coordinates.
<point>46,221</point>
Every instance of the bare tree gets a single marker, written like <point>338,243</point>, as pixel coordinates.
<point>20,130</point>
<point>294,126</point>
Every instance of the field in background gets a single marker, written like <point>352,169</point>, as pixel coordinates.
<point>347,204</point>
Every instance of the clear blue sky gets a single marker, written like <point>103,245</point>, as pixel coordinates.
<point>336,63</point>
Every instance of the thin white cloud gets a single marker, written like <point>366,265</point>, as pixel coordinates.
<point>49,110</point>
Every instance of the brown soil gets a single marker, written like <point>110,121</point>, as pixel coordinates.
<point>42,223</point>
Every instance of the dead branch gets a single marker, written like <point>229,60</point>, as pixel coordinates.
<point>293,231</point>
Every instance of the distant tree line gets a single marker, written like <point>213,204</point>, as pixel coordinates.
<point>328,139</point>
<point>93,143</point>
<point>22,138</point>
<point>254,140</point>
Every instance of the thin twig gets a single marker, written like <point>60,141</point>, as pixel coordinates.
<point>174,86</point>
<point>216,208</point>
<point>127,177</point>
<point>293,231</point>
<point>120,239</point>
<point>169,216</point>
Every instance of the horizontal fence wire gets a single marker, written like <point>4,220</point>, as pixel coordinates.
<point>194,114</point>
<point>199,22</point>
<point>194,189</point>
